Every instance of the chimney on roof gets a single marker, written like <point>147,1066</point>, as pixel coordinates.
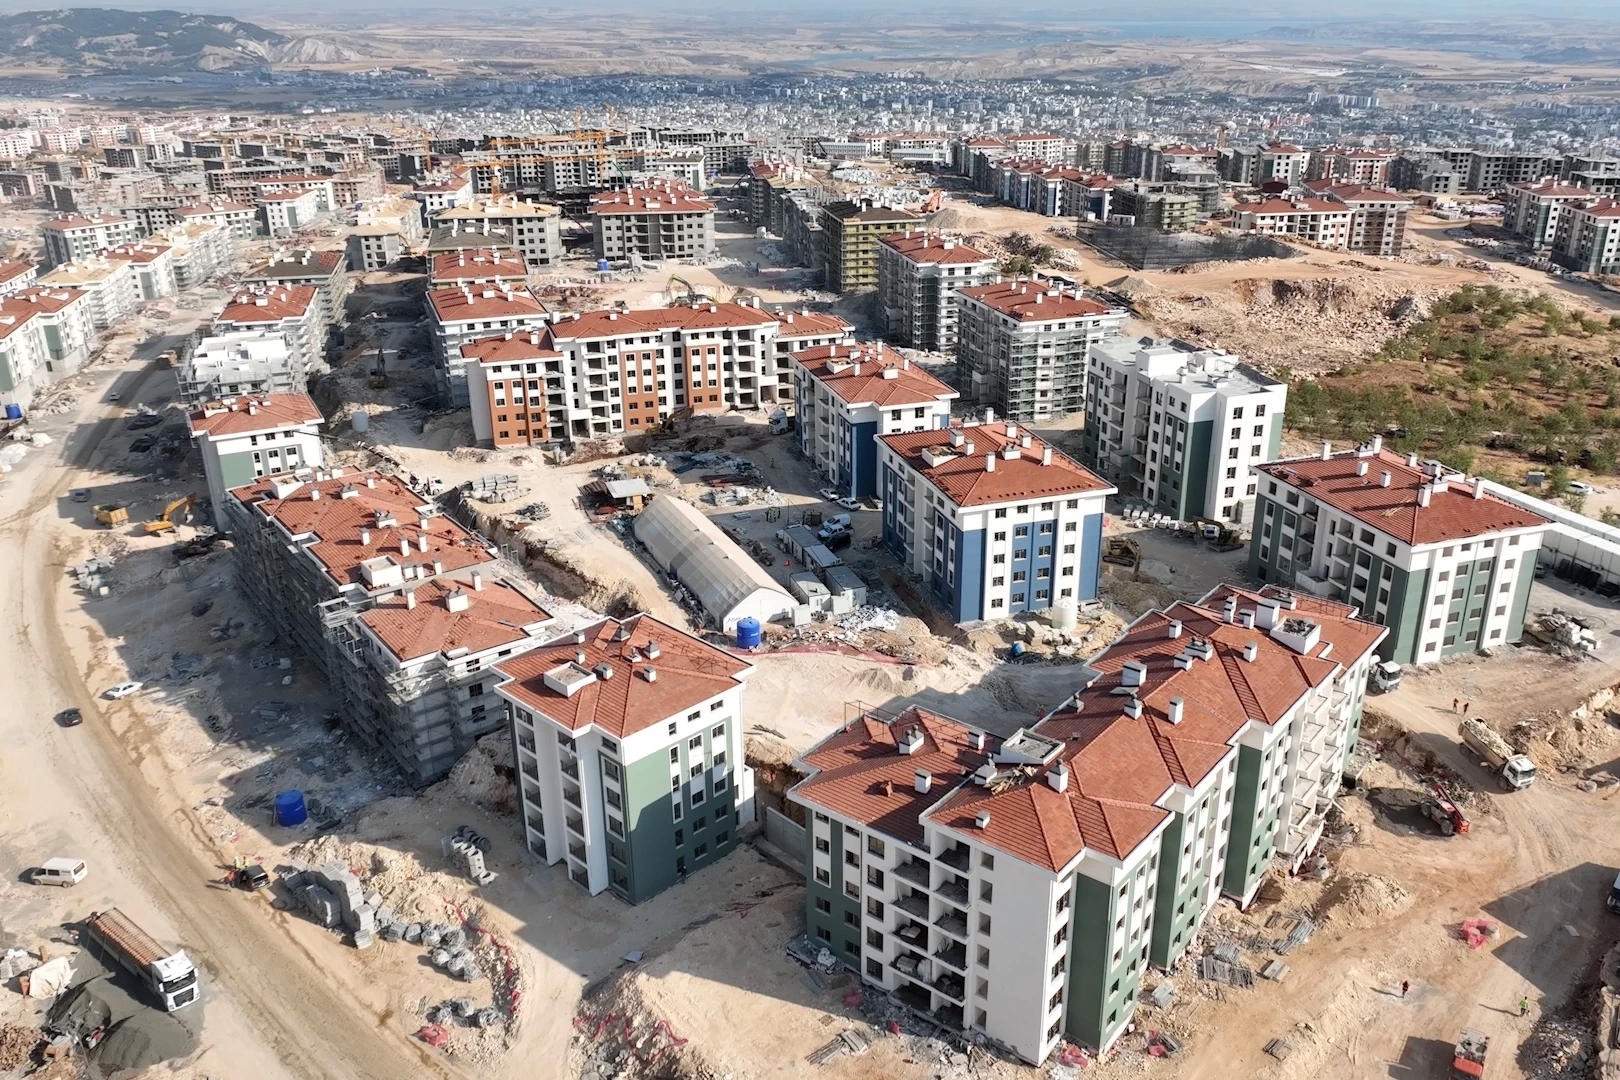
<point>911,740</point>
<point>989,416</point>
<point>1327,449</point>
<point>421,541</point>
<point>650,674</point>
<point>371,481</point>
<point>1175,711</point>
<point>315,494</point>
<point>1251,651</point>
<point>477,581</point>
<point>1046,455</point>
<point>365,537</point>
<point>651,650</point>
<point>990,462</point>
<point>1479,487</point>
<point>1173,630</point>
<point>981,820</point>
<point>604,671</point>
<point>922,780</point>
<point>438,567</point>
<point>457,600</point>
<point>1246,619</point>
<point>1266,614</point>
<point>1361,467</point>
<point>1229,610</point>
<point>1057,776</point>
<point>404,545</point>
<point>410,600</point>
<point>1425,492</point>
<point>1133,708</point>
<point>579,657</point>
<point>1411,460</point>
<point>1383,478</point>
<point>1377,444</point>
<point>1132,673</point>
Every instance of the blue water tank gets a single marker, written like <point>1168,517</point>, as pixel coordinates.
<point>290,808</point>
<point>601,266</point>
<point>13,411</point>
<point>747,632</point>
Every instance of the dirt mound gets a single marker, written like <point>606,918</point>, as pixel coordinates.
<point>1355,901</point>
<point>1309,325</point>
<point>616,1035</point>
<point>484,776</point>
<point>407,886</point>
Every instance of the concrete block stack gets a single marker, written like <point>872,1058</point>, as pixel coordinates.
<point>333,896</point>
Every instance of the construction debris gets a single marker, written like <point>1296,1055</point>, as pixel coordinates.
<point>850,1042</point>
<point>17,1045</point>
<point>1229,973</point>
<point>495,488</point>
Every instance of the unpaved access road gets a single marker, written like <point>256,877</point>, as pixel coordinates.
<point>270,1013</point>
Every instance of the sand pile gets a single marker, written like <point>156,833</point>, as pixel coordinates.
<point>1354,901</point>
<point>485,777</point>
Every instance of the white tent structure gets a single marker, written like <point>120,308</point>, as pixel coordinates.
<point>726,580</point>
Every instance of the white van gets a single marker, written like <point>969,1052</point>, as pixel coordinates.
<point>64,872</point>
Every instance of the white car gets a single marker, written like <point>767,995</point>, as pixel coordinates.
<point>829,494</point>
<point>849,504</point>
<point>123,689</point>
<point>1581,487</point>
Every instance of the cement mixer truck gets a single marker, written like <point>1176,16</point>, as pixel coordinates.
<point>1515,770</point>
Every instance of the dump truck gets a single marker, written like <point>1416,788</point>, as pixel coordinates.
<point>112,514</point>
<point>1385,676</point>
<point>170,976</point>
<point>1516,771</point>
<point>1468,1056</point>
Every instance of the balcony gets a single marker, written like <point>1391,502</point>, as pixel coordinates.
<point>956,858</point>
<point>571,770</point>
<point>954,955</point>
<point>952,986</point>
<point>912,933</point>
<point>572,799</point>
<point>953,924</point>
<point>955,890</point>
<point>576,852</point>
<point>911,966</point>
<point>576,824</point>
<point>914,904</point>
<point>536,822</point>
<point>914,872</point>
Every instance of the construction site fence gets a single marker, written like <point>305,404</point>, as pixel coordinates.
<point>1149,249</point>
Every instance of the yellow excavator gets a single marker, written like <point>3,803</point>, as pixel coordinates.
<point>164,521</point>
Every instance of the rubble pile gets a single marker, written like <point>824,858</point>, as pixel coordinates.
<point>17,1045</point>
<point>1355,901</point>
<point>485,777</point>
<point>1559,1048</point>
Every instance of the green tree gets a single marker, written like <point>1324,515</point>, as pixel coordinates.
<point>1558,480</point>
<point>1575,501</point>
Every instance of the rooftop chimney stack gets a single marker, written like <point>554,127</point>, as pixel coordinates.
<point>1479,487</point>
<point>1057,777</point>
<point>1176,707</point>
<point>922,780</point>
<point>1384,478</point>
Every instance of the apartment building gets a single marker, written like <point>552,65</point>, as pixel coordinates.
<point>243,438</point>
<point>509,379</point>
<point>628,740</point>
<point>845,396</point>
<point>661,221</point>
<point>1018,888</point>
<point>1440,561</point>
<point>442,193</point>
<point>287,211</point>
<point>851,232</point>
<point>374,247</point>
<point>199,251</point>
<point>110,286</point>
<point>534,228</point>
<point>326,200</point>
<point>1429,175</point>
<point>1254,165</point>
<point>65,325</point>
<point>1154,206</point>
<point>1587,237</point>
<point>239,363</point>
<point>325,271</point>
<point>1323,222</point>
<point>1021,346</point>
<point>1181,427</point>
<point>290,310</point>
<point>918,276</point>
<point>152,266</point>
<point>1366,167</point>
<point>70,239</point>
<point>389,597</point>
<point>1377,217</point>
<point>23,356</point>
<point>995,521</point>
<point>477,266</point>
<point>1533,210</point>
<point>353,187</point>
<point>239,218</point>
<point>799,330</point>
<point>1040,144</point>
<point>16,275</point>
<point>459,315</point>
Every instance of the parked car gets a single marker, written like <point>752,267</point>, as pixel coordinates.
<point>1581,487</point>
<point>830,494</point>
<point>123,689</point>
<point>65,873</point>
<point>70,718</point>
<point>849,504</point>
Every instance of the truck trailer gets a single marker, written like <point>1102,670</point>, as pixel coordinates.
<point>170,976</point>
<point>1516,770</point>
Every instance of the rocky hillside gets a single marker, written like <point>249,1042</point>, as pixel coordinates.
<point>104,40</point>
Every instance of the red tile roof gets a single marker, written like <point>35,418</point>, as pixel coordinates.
<point>81,221</point>
<point>37,298</point>
<point>871,374</point>
<point>1452,514</point>
<point>260,412</point>
<point>495,615</point>
<point>688,671</point>
<point>1273,207</point>
<point>926,247</point>
<point>137,253</point>
<point>12,321</point>
<point>272,305</point>
<point>606,323</point>
<point>336,521</point>
<point>1606,208</point>
<point>806,323</point>
<point>673,199</point>
<point>478,264</point>
<point>965,480</point>
<point>860,773</point>
<point>221,206</point>
<point>457,304</point>
<point>1550,188</point>
<point>284,196</point>
<point>9,270</point>
<point>505,348</point>
<point>1034,300</point>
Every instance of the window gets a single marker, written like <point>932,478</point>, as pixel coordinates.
<point>695,743</point>
<point>823,845</point>
<point>701,850</point>
<point>672,727</point>
<point>1057,968</point>
<point>874,969</point>
<point>1054,1001</point>
<point>849,918</point>
<point>983,960</point>
<point>874,877</point>
<point>824,905</point>
<point>987,860</point>
<point>1061,936</point>
<point>874,907</point>
<point>823,933</point>
<point>987,891</point>
<point>674,755</point>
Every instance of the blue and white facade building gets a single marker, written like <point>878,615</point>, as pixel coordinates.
<point>847,395</point>
<point>995,521</point>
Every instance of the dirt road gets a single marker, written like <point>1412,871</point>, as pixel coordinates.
<point>269,1012</point>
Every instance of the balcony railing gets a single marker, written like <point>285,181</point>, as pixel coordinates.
<point>577,851</point>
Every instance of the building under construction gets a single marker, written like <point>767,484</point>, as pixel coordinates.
<point>1150,249</point>
<point>393,601</point>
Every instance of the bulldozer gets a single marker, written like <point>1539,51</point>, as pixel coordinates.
<point>692,295</point>
<point>1122,552</point>
<point>165,521</point>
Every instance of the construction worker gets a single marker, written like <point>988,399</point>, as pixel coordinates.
<point>1405,986</point>
<point>1454,703</point>
<point>1524,1005</point>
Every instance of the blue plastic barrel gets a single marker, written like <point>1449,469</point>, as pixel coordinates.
<point>747,632</point>
<point>290,808</point>
<point>601,266</point>
<point>13,411</point>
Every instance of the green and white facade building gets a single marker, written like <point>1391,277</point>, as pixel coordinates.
<point>1180,427</point>
<point>244,438</point>
<point>1017,888</point>
<point>1414,546</point>
<point>628,740</point>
